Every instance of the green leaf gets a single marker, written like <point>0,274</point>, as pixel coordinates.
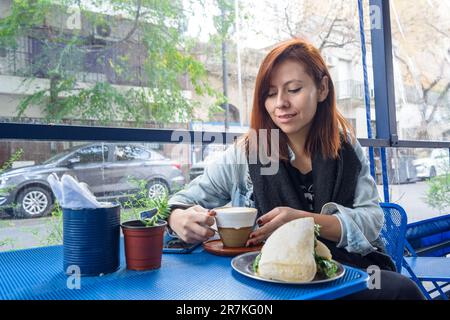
<point>326,267</point>
<point>162,213</point>
<point>256,263</point>
<point>438,194</point>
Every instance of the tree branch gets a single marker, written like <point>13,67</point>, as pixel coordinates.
<point>135,24</point>
<point>437,103</point>
<point>288,25</point>
<point>437,29</point>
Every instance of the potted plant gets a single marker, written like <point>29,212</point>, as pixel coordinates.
<point>144,236</point>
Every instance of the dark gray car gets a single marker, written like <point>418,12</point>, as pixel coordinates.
<point>110,169</point>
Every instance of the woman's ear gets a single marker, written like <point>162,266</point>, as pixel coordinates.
<point>323,90</point>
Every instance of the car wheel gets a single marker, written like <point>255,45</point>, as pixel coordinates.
<point>33,202</point>
<point>157,189</point>
<point>432,172</point>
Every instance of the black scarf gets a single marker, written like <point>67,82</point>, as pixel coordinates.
<point>334,180</point>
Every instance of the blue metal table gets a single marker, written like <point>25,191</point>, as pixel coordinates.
<point>37,274</point>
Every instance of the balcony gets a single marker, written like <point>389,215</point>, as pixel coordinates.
<point>351,89</point>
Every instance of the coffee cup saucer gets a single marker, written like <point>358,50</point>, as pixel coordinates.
<point>216,247</point>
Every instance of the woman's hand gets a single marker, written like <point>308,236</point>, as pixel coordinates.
<point>272,220</point>
<point>193,224</point>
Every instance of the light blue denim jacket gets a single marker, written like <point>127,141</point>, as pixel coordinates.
<point>227,179</point>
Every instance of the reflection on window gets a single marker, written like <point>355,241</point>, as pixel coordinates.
<point>130,152</point>
<point>421,57</point>
<point>95,153</point>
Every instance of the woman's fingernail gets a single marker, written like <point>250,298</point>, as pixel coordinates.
<point>259,222</point>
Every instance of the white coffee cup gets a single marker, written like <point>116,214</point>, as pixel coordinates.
<point>235,224</point>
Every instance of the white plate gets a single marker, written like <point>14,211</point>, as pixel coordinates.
<point>244,265</point>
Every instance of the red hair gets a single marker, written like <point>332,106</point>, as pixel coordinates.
<point>324,135</point>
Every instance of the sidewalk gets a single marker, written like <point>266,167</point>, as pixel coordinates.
<point>412,198</point>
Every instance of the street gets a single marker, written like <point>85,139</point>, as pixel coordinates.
<point>412,198</point>
<point>19,234</point>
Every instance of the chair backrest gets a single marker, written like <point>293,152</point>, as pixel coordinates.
<point>393,231</point>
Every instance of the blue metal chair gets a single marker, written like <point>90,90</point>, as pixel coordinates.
<point>418,268</point>
<point>393,232</point>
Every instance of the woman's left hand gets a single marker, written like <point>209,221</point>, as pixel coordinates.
<point>272,220</point>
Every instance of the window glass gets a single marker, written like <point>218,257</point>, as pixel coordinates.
<point>418,178</point>
<point>87,62</point>
<point>131,152</point>
<point>421,56</point>
<point>30,213</point>
<point>90,154</point>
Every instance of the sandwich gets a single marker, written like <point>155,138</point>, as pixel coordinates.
<point>292,253</point>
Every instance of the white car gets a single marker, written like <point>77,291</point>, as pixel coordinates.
<point>436,164</point>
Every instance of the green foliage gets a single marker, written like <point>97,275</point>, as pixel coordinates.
<point>255,264</point>
<point>8,163</point>
<point>14,157</point>
<point>162,211</point>
<point>150,54</point>
<point>140,201</point>
<point>10,242</point>
<point>438,194</point>
<point>316,233</point>
<point>24,15</point>
<point>327,268</point>
<point>55,227</point>
<point>224,22</point>
<point>317,230</point>
<point>136,202</point>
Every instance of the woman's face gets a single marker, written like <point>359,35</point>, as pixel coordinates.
<point>293,96</point>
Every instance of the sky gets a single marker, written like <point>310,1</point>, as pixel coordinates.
<point>253,33</point>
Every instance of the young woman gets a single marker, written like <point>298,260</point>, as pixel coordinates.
<point>321,171</point>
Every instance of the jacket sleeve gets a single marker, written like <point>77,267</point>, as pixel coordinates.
<point>361,225</point>
<point>213,188</point>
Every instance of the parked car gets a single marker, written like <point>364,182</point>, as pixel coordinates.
<point>109,169</point>
<point>210,152</point>
<point>436,164</point>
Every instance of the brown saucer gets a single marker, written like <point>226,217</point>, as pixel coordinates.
<point>216,247</point>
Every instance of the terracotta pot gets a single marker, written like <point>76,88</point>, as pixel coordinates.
<point>143,245</point>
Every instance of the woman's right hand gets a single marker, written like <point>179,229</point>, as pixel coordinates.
<point>192,225</point>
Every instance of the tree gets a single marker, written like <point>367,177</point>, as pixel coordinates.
<point>137,43</point>
<point>335,29</point>
<point>223,26</point>
<point>326,23</point>
<point>421,40</point>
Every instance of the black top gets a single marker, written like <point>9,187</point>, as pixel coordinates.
<point>307,186</point>
<point>305,183</point>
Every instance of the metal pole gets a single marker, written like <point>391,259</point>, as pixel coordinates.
<point>224,70</point>
<point>383,74</point>
<point>239,71</point>
<point>366,87</point>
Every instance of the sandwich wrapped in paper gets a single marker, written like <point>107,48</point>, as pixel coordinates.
<point>292,253</point>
